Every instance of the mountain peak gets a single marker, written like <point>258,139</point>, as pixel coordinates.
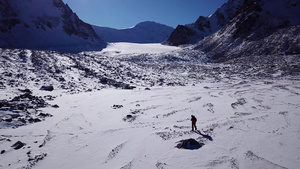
<point>144,32</point>
<point>149,24</point>
<point>245,28</point>
<point>46,25</point>
<point>205,26</point>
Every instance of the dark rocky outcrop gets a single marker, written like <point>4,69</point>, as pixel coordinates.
<point>189,144</point>
<point>204,26</point>
<point>18,145</point>
<point>47,88</point>
<point>182,35</point>
<point>22,110</point>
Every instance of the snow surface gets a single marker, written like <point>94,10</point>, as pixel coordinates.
<point>246,119</point>
<point>247,125</point>
<point>136,48</point>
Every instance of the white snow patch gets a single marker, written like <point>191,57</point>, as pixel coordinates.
<point>137,48</point>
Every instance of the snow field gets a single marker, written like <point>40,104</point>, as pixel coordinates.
<point>120,48</point>
<point>251,125</point>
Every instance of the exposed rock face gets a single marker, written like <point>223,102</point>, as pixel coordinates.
<point>181,35</point>
<point>73,25</point>
<point>46,25</point>
<point>205,26</point>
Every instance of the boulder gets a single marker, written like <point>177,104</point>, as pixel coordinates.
<point>189,144</point>
<point>25,91</point>
<point>18,145</point>
<point>117,106</point>
<point>47,88</point>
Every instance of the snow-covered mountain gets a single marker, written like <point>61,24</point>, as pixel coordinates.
<point>46,25</point>
<point>245,28</point>
<point>144,32</point>
<point>264,27</point>
<point>205,26</point>
<point>68,110</point>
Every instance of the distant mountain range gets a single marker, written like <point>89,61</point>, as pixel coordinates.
<point>244,28</point>
<point>144,32</point>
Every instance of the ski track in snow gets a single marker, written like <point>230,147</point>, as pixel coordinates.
<point>249,126</point>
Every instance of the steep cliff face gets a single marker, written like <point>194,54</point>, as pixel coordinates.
<point>46,25</point>
<point>262,27</point>
<point>182,35</point>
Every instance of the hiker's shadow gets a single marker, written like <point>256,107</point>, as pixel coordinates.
<point>204,135</point>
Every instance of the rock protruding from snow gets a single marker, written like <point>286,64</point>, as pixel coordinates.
<point>189,144</point>
<point>144,32</point>
<point>18,145</point>
<point>46,25</point>
<point>47,88</point>
<point>22,110</point>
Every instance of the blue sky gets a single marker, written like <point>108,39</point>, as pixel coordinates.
<point>127,13</point>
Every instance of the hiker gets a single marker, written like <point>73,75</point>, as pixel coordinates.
<point>194,120</point>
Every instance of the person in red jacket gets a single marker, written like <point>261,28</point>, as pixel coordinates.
<point>194,120</point>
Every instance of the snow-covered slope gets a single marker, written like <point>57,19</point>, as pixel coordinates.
<point>245,28</point>
<point>247,110</point>
<point>46,25</point>
<point>144,32</point>
<point>260,28</point>
<point>242,124</point>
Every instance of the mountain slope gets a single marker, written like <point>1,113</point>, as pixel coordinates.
<point>260,28</point>
<point>244,28</point>
<point>83,123</point>
<point>144,32</point>
<point>205,26</point>
<point>46,25</point>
